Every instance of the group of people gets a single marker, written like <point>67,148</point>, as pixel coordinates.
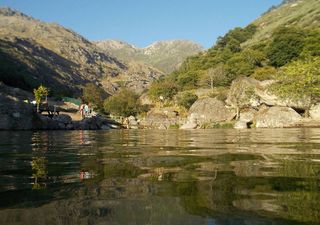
<point>84,110</point>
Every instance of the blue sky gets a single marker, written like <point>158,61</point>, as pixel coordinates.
<point>141,22</point>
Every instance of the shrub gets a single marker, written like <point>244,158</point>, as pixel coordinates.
<point>186,99</point>
<point>299,79</point>
<point>264,73</point>
<point>94,94</point>
<point>188,80</point>
<point>162,88</point>
<point>124,103</point>
<point>287,44</point>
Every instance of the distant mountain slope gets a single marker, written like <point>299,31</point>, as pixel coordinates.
<point>34,52</point>
<point>303,13</point>
<point>163,55</point>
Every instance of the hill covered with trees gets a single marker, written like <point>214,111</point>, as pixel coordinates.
<point>286,38</point>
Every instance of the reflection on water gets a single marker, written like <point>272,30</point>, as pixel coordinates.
<point>160,177</point>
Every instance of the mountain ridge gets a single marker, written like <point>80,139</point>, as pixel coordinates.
<point>55,56</point>
<point>165,55</point>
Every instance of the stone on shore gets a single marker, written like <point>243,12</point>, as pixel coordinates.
<point>207,110</point>
<point>315,112</point>
<point>277,117</point>
<point>240,125</point>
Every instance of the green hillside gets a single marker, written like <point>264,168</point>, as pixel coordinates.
<point>302,13</point>
<point>281,39</point>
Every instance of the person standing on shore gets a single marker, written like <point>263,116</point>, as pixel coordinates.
<point>86,110</point>
<point>81,109</point>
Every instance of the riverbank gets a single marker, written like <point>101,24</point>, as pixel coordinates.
<point>205,113</point>
<point>17,114</point>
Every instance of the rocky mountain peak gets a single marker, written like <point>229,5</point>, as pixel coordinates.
<point>6,11</point>
<point>164,55</point>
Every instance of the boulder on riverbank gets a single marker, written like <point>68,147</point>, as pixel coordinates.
<point>248,92</point>
<point>64,122</point>
<point>276,117</point>
<point>161,118</point>
<point>206,110</point>
<point>315,112</point>
<point>15,114</point>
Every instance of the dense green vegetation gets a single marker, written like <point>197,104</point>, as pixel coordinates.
<point>124,103</point>
<point>186,99</point>
<point>300,79</point>
<point>94,94</point>
<point>294,48</point>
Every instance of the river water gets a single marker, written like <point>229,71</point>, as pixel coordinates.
<point>154,177</point>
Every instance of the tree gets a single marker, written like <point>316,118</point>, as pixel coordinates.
<point>264,73</point>
<point>214,76</point>
<point>124,103</point>
<point>188,80</point>
<point>39,93</point>
<point>94,94</point>
<point>287,44</point>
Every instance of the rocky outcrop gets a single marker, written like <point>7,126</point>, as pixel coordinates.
<point>241,125</point>
<point>247,115</point>
<point>17,114</point>
<point>248,92</point>
<point>315,112</point>
<point>191,123</point>
<point>206,110</point>
<point>277,117</point>
<point>246,118</point>
<point>242,93</point>
<point>161,118</point>
<point>64,122</point>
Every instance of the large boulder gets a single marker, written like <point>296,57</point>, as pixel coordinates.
<point>240,125</point>
<point>15,114</point>
<point>276,117</point>
<point>207,109</point>
<point>247,115</point>
<point>242,93</point>
<point>191,122</point>
<point>248,92</point>
<point>315,112</point>
<point>160,118</point>
<point>267,97</point>
<point>63,118</point>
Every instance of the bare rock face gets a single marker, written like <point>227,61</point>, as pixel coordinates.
<point>277,117</point>
<point>211,110</point>
<point>315,112</point>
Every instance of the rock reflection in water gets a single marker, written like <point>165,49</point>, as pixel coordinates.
<point>160,177</point>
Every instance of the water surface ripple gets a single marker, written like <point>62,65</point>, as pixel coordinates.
<point>155,177</point>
